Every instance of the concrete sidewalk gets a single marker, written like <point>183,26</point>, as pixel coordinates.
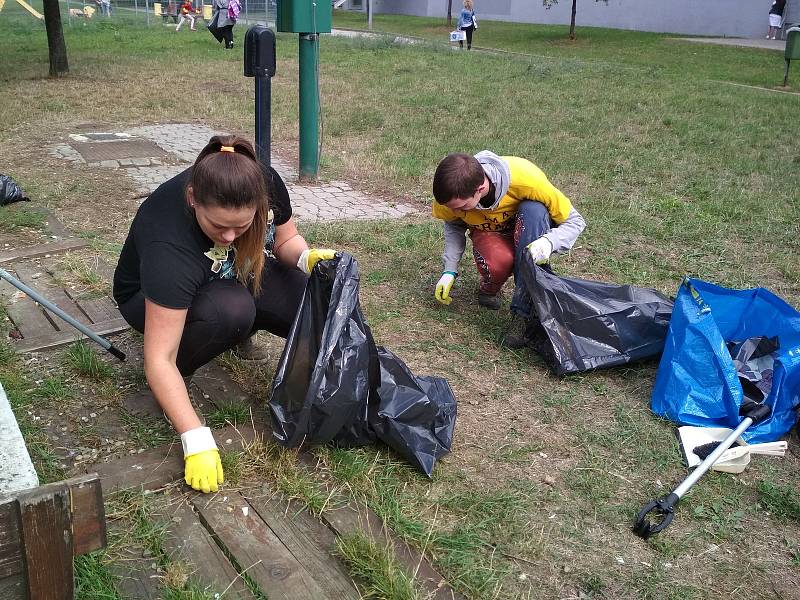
<point>764,44</point>
<point>159,152</point>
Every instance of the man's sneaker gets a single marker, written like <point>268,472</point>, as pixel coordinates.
<point>519,333</point>
<point>249,351</point>
<point>492,302</point>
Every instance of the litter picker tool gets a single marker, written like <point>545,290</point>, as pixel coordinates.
<point>61,314</point>
<point>664,507</point>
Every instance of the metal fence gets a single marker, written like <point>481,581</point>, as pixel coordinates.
<point>147,11</point>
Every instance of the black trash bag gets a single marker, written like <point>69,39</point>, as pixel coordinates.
<point>10,191</point>
<point>214,29</point>
<point>322,378</point>
<point>334,385</point>
<point>584,324</point>
<point>416,415</point>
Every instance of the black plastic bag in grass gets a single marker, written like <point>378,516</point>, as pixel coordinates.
<point>10,191</point>
<point>584,324</point>
<point>334,385</point>
<point>416,415</point>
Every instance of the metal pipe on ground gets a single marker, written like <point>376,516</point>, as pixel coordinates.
<point>61,314</point>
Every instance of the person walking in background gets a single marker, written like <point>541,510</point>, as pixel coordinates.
<point>467,23</point>
<point>222,21</point>
<point>775,18</point>
<point>187,14</point>
<point>105,8</point>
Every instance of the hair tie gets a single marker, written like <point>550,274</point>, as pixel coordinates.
<point>227,149</point>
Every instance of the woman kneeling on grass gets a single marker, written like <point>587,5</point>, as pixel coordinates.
<point>212,256</point>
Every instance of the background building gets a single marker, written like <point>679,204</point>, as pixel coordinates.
<point>731,18</point>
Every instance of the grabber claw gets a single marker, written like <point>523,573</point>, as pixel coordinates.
<point>663,507</point>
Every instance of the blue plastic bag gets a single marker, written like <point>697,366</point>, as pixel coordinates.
<point>697,383</point>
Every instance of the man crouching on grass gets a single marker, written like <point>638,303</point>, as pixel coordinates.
<point>509,207</point>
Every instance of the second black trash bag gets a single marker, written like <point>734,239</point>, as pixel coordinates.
<point>584,324</point>
<point>10,192</point>
<point>334,384</point>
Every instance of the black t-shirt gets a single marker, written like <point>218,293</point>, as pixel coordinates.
<point>777,7</point>
<point>167,255</point>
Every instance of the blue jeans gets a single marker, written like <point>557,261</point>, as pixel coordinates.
<point>533,221</point>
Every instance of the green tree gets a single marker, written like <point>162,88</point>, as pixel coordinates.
<point>57,48</point>
<point>549,3</point>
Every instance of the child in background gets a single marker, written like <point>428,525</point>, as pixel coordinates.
<point>775,18</point>
<point>187,13</point>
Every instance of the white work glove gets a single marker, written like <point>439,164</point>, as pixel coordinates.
<point>202,464</point>
<point>540,250</point>
<point>443,287</point>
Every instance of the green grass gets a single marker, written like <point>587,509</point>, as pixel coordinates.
<point>93,580</point>
<point>53,389</point>
<point>84,361</point>
<point>232,413</point>
<point>376,569</point>
<point>780,500</point>
<point>20,216</point>
<point>233,465</point>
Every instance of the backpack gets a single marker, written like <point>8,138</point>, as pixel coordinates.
<point>234,8</point>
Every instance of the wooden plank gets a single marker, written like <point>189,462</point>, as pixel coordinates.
<point>308,539</point>
<point>214,382</point>
<point>136,577</point>
<point>26,314</point>
<point>99,309</point>
<point>88,514</point>
<point>156,468</point>
<point>47,533</point>
<point>13,588</point>
<point>186,540</point>
<point>42,249</point>
<point>355,517</point>
<point>10,547</point>
<point>59,338</point>
<point>45,286</point>
<point>83,500</point>
<point>256,548</point>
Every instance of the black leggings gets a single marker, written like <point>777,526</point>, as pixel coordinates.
<point>227,34</point>
<point>469,31</point>
<point>224,313</point>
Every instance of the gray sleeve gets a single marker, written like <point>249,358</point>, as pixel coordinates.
<point>564,236</point>
<point>454,243</point>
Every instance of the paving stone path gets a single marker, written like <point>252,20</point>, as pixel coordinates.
<point>154,153</point>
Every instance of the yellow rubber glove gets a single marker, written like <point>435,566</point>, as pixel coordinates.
<point>203,471</point>
<point>311,256</point>
<point>443,287</point>
<point>202,464</point>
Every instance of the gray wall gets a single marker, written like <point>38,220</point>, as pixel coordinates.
<point>732,18</point>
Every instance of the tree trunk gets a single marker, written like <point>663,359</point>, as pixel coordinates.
<point>572,22</point>
<point>449,13</point>
<point>55,39</point>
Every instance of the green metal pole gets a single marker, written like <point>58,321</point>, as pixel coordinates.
<point>309,105</point>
